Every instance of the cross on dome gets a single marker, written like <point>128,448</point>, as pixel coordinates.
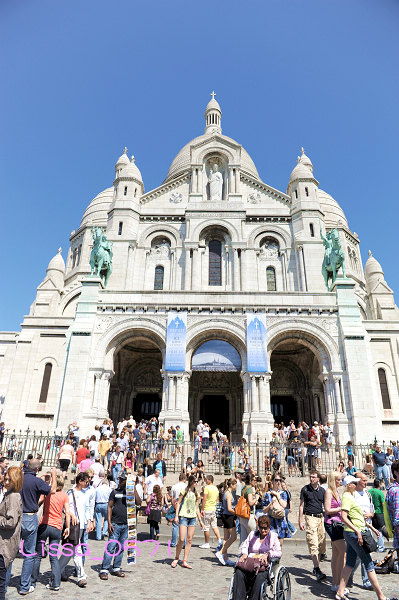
<point>132,158</point>
<point>213,95</point>
<point>125,150</point>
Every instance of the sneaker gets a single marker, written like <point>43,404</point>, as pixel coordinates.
<point>220,558</point>
<point>31,589</point>
<point>205,546</point>
<point>367,586</point>
<point>219,546</point>
<point>229,563</point>
<point>103,575</point>
<point>82,583</point>
<point>319,574</point>
<point>52,588</point>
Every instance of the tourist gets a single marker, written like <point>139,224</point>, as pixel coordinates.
<point>274,505</point>
<point>152,480</point>
<point>175,492</point>
<point>351,469</point>
<point>179,439</point>
<point>87,462</point>
<point>378,520</point>
<point>93,445</point>
<point>154,511</point>
<point>104,447</point>
<point>98,472</point>
<point>334,527</point>
<point>118,531</point>
<point>81,452</point>
<point>311,519</point>
<point>311,452</point>
<point>33,487</point>
<point>50,529</point>
<point>392,501</point>
<point>205,437</point>
<point>261,543</point>
<point>208,511</point>
<point>147,468</point>
<point>354,526</point>
<point>116,459</point>
<point>389,460</point>
<point>248,492</point>
<point>197,445</point>
<point>103,492</point>
<point>73,433</point>
<point>328,433</point>
<point>10,524</point>
<point>66,456</point>
<point>288,509</point>
<point>200,471</point>
<point>78,507</point>
<point>229,522</point>
<point>341,468</point>
<point>161,466</point>
<point>187,511</point>
<point>349,452</point>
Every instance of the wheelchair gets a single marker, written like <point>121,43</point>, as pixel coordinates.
<point>276,587</point>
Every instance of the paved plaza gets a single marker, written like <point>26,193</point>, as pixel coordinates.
<point>153,579</point>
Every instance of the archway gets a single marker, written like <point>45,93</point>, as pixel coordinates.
<point>296,391</point>
<point>136,387</point>
<point>215,394</point>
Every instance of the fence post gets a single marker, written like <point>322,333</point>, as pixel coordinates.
<point>26,441</point>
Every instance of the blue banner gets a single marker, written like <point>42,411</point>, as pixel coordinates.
<point>175,359</point>
<point>256,343</point>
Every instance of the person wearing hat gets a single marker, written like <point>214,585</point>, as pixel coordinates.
<point>117,530</point>
<point>239,474</point>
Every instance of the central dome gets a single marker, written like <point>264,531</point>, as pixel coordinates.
<point>182,161</point>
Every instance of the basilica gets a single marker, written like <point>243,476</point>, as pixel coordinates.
<point>151,312</point>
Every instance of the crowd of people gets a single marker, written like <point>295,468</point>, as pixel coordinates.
<point>245,506</point>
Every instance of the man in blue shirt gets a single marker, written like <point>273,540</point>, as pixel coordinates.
<point>33,488</point>
<point>161,466</point>
<point>380,466</point>
<point>351,469</point>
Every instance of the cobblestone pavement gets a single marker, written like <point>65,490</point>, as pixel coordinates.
<point>153,579</point>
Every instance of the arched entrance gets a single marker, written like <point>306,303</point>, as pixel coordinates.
<point>215,394</point>
<point>296,391</point>
<point>136,387</point>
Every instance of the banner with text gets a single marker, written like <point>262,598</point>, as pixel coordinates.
<point>256,343</point>
<point>175,359</point>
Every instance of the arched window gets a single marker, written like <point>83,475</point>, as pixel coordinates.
<point>382,378</point>
<point>271,279</point>
<point>215,262</point>
<point>311,229</point>
<point>158,277</point>
<point>45,382</point>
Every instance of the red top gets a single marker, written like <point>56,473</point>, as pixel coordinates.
<point>81,454</point>
<point>52,511</point>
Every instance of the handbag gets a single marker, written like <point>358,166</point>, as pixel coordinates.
<point>369,543</point>
<point>276,511</point>
<point>148,507</point>
<point>252,564</point>
<point>74,530</point>
<point>242,508</point>
<point>170,514</point>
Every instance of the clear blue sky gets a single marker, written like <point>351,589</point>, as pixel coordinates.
<point>82,79</point>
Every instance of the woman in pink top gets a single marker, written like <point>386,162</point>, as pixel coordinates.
<point>65,457</point>
<point>263,542</point>
<point>334,527</point>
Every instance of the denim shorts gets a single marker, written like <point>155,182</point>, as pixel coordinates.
<point>187,521</point>
<point>354,550</point>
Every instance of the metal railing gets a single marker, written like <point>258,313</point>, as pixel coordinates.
<point>220,459</point>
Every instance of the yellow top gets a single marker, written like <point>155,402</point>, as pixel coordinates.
<point>212,493</point>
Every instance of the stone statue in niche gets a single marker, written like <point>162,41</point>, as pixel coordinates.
<point>215,184</point>
<point>269,249</point>
<point>161,248</point>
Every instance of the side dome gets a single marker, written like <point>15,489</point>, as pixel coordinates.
<point>182,161</point>
<point>57,263</point>
<point>97,211</point>
<point>331,209</point>
<point>300,171</point>
<point>131,170</point>
<point>373,269</point>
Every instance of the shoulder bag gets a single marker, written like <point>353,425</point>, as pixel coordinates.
<point>276,511</point>
<point>252,564</point>
<point>243,509</point>
<point>369,543</point>
<point>74,530</point>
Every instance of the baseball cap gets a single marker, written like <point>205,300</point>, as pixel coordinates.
<point>349,479</point>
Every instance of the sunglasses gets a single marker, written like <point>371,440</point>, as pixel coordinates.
<point>277,479</point>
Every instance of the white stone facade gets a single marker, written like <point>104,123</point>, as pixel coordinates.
<point>85,352</point>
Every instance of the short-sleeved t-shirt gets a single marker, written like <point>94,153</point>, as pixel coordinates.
<point>355,512</point>
<point>246,490</point>
<point>33,487</point>
<point>378,500</point>
<point>313,499</point>
<point>212,493</point>
<point>52,511</point>
<point>66,452</point>
<point>119,509</point>
<point>379,458</point>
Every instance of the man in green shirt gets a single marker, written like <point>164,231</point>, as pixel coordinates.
<point>378,498</point>
<point>179,439</point>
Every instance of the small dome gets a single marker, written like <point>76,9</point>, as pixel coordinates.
<point>213,105</point>
<point>305,160</point>
<point>57,263</point>
<point>122,160</point>
<point>131,170</point>
<point>373,268</point>
<point>97,211</point>
<point>300,171</point>
<point>331,209</point>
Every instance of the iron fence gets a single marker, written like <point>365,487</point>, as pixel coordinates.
<point>220,459</point>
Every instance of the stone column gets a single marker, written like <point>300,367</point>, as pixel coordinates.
<point>227,269</point>
<point>197,269</point>
<point>254,395</point>
<point>171,393</point>
<point>338,401</point>
<point>301,268</point>
<point>130,266</point>
<point>232,182</point>
<point>264,393</point>
<point>236,266</point>
<point>284,269</point>
<point>187,270</point>
<point>237,181</point>
<point>164,391</point>
<point>244,279</point>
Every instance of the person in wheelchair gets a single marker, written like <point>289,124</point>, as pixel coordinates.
<point>261,543</point>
